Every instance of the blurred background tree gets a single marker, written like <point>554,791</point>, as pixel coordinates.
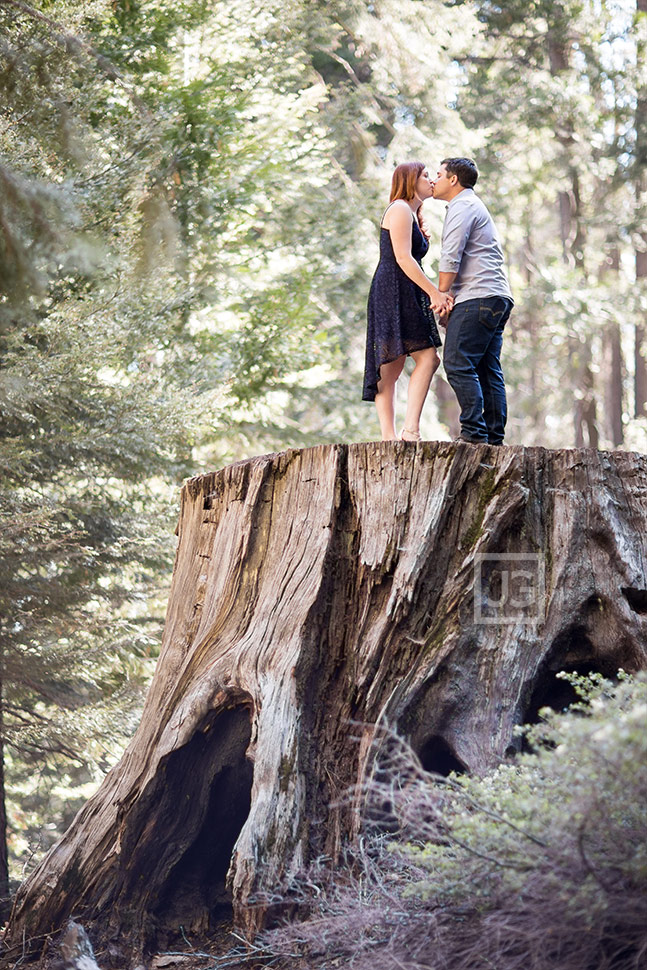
<point>189,213</point>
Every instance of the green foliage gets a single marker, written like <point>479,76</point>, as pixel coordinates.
<point>541,863</point>
<point>569,818</point>
<point>553,88</point>
<point>169,261</point>
<point>98,415</point>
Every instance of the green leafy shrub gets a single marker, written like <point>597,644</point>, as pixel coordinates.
<point>540,865</point>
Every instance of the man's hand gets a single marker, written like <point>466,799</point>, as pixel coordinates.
<point>442,302</point>
<point>446,307</point>
<point>443,317</point>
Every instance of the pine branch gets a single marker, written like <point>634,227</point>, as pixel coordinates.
<point>70,41</point>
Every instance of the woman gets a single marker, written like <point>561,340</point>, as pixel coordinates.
<point>400,304</point>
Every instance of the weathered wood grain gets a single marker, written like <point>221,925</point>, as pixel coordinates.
<point>316,591</point>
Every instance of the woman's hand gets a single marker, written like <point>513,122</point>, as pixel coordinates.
<point>441,303</point>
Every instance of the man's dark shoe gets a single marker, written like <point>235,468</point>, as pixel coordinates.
<point>471,441</point>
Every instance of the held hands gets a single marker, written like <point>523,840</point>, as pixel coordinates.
<point>442,304</point>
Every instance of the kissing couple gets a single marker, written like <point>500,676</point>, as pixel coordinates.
<point>472,303</point>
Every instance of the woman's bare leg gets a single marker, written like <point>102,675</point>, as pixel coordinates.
<point>385,397</point>
<point>427,362</point>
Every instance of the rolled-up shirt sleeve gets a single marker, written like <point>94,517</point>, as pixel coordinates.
<point>456,232</point>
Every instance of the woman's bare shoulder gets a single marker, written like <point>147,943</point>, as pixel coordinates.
<point>397,214</point>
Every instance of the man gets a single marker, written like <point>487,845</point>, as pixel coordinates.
<point>471,266</point>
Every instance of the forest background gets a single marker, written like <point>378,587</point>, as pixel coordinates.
<point>190,195</point>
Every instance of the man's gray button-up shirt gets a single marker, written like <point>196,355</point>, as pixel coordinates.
<point>470,247</point>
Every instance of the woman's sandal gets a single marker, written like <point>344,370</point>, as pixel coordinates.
<point>415,435</point>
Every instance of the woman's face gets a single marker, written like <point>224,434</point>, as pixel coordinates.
<point>424,185</point>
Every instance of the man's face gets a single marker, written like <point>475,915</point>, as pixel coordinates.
<point>444,184</point>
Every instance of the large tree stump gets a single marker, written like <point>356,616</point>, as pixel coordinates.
<point>316,594</point>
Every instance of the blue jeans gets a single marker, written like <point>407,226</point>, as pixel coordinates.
<point>471,359</point>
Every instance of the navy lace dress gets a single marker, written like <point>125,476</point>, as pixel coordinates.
<point>400,318</point>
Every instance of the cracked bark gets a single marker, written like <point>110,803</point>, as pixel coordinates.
<point>317,593</point>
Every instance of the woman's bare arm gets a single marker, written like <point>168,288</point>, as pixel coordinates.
<point>398,221</point>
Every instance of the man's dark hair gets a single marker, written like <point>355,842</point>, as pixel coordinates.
<point>464,169</point>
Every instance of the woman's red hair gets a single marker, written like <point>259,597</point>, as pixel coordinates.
<point>403,186</point>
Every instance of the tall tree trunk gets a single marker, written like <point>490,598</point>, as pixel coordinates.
<point>640,189</point>
<point>640,362</point>
<point>530,320</point>
<point>4,855</point>
<point>613,362</point>
<point>586,424</point>
<point>613,376</point>
<point>448,407</point>
<point>438,588</point>
<point>640,372</point>
<point>573,236</point>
